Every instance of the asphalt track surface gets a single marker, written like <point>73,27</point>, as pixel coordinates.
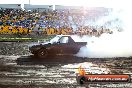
<point>26,71</point>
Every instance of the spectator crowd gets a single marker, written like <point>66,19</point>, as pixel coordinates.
<point>16,21</point>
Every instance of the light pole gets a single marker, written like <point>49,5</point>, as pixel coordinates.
<point>29,2</point>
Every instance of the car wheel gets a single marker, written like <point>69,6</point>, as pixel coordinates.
<point>42,53</point>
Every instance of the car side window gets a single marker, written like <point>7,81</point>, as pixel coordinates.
<point>64,40</point>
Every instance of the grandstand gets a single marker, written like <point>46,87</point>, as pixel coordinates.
<point>31,19</point>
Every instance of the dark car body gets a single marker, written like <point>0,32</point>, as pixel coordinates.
<point>64,45</point>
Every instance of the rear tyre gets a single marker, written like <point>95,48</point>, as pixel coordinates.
<point>42,53</point>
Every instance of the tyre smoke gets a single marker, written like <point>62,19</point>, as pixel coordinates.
<point>118,44</point>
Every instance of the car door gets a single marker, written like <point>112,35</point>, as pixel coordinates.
<point>54,49</point>
<point>59,47</point>
<point>66,46</point>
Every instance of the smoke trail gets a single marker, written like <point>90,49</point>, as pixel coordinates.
<point>118,44</point>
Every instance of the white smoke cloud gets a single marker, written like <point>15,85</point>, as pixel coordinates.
<point>118,44</point>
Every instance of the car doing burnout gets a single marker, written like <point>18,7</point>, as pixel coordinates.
<point>59,45</point>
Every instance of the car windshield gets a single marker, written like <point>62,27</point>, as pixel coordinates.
<point>55,39</point>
